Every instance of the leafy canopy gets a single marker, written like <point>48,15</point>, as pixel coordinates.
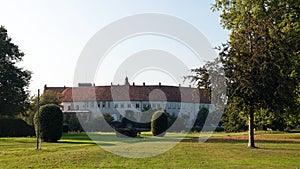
<point>261,57</point>
<point>14,81</point>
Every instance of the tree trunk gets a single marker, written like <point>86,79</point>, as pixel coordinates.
<point>251,127</point>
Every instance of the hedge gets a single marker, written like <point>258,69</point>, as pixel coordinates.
<point>51,123</point>
<point>10,127</point>
<point>159,123</point>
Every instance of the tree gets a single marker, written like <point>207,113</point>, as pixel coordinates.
<point>14,81</point>
<point>261,58</point>
<point>48,97</point>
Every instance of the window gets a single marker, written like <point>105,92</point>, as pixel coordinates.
<point>129,105</point>
<point>108,104</point>
<point>158,106</point>
<point>116,105</point>
<point>103,104</point>
<point>92,104</point>
<point>77,107</point>
<point>69,107</point>
<point>173,105</point>
<point>137,105</point>
<point>168,105</point>
<point>122,105</point>
<point>99,105</point>
<point>153,106</point>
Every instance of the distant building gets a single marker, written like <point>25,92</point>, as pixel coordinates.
<point>116,99</point>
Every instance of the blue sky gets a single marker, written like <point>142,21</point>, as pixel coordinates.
<point>52,33</point>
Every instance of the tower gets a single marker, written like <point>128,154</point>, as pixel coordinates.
<point>126,81</point>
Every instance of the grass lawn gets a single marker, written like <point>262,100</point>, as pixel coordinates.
<point>222,150</point>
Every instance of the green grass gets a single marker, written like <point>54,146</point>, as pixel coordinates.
<point>222,150</point>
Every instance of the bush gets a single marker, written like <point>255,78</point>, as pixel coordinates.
<point>74,125</point>
<point>100,123</point>
<point>51,123</point>
<point>126,132</point>
<point>176,123</point>
<point>159,123</point>
<point>201,117</point>
<point>15,128</point>
<point>129,120</point>
<point>234,121</point>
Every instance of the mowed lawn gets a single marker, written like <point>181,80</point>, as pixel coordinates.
<point>222,150</point>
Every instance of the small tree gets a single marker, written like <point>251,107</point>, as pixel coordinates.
<point>159,123</point>
<point>51,122</point>
<point>48,97</point>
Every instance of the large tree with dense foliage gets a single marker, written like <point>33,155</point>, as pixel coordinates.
<point>261,58</point>
<point>14,81</point>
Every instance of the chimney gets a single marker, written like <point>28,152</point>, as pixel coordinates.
<point>190,86</point>
<point>159,84</point>
<point>144,84</point>
<point>111,83</point>
<point>133,84</point>
<point>85,84</point>
<point>179,85</point>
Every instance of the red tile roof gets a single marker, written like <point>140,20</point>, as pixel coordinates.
<point>135,93</point>
<point>55,89</point>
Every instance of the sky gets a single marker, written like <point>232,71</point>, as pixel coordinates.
<point>53,34</point>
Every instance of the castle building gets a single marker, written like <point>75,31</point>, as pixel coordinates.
<point>116,99</point>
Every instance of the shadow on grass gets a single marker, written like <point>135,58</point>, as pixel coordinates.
<point>275,149</point>
<point>294,131</point>
<point>76,142</point>
<point>109,139</point>
<point>236,140</point>
<point>90,142</point>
